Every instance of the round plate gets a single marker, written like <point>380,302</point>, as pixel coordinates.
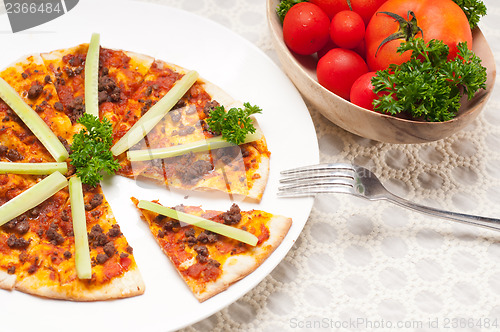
<point>227,60</point>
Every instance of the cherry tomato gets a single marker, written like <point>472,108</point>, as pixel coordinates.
<point>362,91</point>
<point>365,8</point>
<point>306,28</point>
<point>329,46</point>
<point>361,49</point>
<point>338,69</point>
<point>443,20</point>
<point>347,29</point>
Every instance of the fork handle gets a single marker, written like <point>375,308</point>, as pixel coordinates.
<point>486,222</point>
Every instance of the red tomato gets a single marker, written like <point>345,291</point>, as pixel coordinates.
<point>329,46</point>
<point>443,20</point>
<point>361,49</point>
<point>362,91</point>
<point>338,69</point>
<point>347,29</point>
<point>306,28</point>
<point>365,8</point>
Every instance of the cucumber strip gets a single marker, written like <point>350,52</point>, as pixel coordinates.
<point>177,150</point>
<point>222,229</point>
<point>144,125</point>
<point>92,76</point>
<point>32,168</point>
<point>37,126</point>
<point>32,197</point>
<point>82,252</point>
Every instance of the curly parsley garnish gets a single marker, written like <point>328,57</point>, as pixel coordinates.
<point>428,86</point>
<point>473,9</point>
<point>234,124</point>
<point>90,150</point>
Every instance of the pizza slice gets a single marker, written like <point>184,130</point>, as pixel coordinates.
<point>120,73</point>
<point>66,71</point>
<point>30,78</point>
<point>38,251</point>
<point>208,262</point>
<point>240,171</point>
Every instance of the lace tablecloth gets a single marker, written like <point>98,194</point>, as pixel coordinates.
<point>363,265</point>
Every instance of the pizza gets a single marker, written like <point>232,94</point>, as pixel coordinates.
<point>208,262</point>
<point>129,85</point>
<point>38,246</point>
<point>38,251</point>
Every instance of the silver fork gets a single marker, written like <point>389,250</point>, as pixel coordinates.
<point>361,182</point>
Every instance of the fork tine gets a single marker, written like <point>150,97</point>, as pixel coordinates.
<point>319,168</point>
<point>317,183</point>
<point>317,176</point>
<point>306,190</point>
<point>318,179</point>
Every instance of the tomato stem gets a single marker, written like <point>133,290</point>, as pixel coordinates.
<point>349,4</point>
<point>408,28</point>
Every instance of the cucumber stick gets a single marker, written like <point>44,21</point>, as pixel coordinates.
<point>37,126</point>
<point>147,122</point>
<point>82,252</point>
<point>222,229</point>
<point>92,76</point>
<point>32,197</point>
<point>32,168</point>
<point>177,150</point>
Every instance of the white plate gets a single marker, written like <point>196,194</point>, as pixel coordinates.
<point>223,58</point>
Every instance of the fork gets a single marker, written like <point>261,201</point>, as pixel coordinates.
<point>361,182</point>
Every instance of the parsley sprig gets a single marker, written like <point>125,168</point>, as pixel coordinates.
<point>234,124</point>
<point>90,150</point>
<point>473,9</point>
<point>428,86</point>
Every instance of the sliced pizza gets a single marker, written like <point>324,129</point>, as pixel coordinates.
<point>38,251</point>
<point>209,262</point>
<point>37,247</point>
<point>129,85</point>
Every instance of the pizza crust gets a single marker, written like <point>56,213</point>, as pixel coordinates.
<point>7,281</point>
<point>127,285</point>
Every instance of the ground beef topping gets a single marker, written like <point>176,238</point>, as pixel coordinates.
<point>109,249</point>
<point>53,236</point>
<point>19,225</point>
<point>58,106</point>
<point>17,243</point>
<point>209,106</point>
<point>11,154</point>
<point>114,231</point>
<point>94,202</point>
<point>202,252</point>
<point>186,130</point>
<point>194,171</point>
<point>233,216</point>
<point>207,237</point>
<point>108,90</point>
<point>96,237</point>
<point>35,91</point>
<point>76,109</point>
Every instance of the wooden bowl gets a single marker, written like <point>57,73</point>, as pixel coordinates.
<point>380,127</point>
